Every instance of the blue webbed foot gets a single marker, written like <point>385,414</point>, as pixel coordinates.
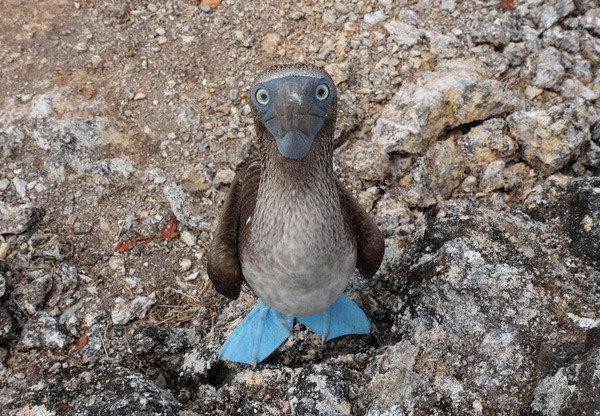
<point>343,317</point>
<point>258,335</point>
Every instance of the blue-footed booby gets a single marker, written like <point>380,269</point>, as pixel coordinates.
<point>289,228</point>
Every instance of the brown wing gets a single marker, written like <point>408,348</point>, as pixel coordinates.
<point>370,244</point>
<point>224,268</point>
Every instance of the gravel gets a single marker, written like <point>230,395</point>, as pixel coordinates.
<point>469,130</point>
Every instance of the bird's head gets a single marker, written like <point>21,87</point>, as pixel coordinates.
<point>296,105</point>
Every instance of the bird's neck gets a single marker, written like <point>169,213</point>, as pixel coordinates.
<point>297,198</point>
<point>313,172</point>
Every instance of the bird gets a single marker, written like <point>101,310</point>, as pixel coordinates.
<point>288,227</point>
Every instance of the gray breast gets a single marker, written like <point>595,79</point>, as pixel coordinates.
<point>299,257</point>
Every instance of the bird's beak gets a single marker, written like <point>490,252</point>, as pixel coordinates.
<point>294,121</point>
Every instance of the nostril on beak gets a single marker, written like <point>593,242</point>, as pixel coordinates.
<point>294,96</point>
<point>292,102</point>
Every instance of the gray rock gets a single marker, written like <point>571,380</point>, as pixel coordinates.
<point>16,219</point>
<point>41,107</point>
<point>573,88</point>
<point>434,176</point>
<point>494,62</point>
<point>475,314</point>
<point>592,156</point>
<point>31,292</point>
<point>54,248</point>
<point>493,176</point>
<point>125,311</point>
<point>486,142</point>
<point>516,53</point>
<point>7,329</point>
<point>323,390</point>
<point>549,14</point>
<point>375,17</point>
<point>571,387</point>
<point>197,362</point>
<point>41,331</point>
<point>404,34</point>
<point>224,176</point>
<point>365,159</point>
<point>497,32</point>
<point>68,275</point>
<point>11,138</point>
<point>443,45</point>
<point>102,389</point>
<point>188,238</point>
<point>382,70</point>
<point>20,187</point>
<point>591,20</point>
<point>549,70</point>
<point>393,216</point>
<point>576,205</point>
<point>185,210</point>
<point>550,139</point>
<point>148,340</point>
<point>395,386</point>
<point>420,112</point>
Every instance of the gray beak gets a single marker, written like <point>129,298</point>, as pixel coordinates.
<point>294,120</point>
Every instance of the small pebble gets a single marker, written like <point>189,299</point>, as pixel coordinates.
<point>117,263</point>
<point>185,264</point>
<point>224,176</point>
<point>81,47</point>
<point>192,276</point>
<point>4,249</point>
<point>531,92</point>
<point>20,186</point>
<point>188,238</point>
<point>139,96</point>
<point>375,17</point>
<point>4,183</point>
<point>96,61</point>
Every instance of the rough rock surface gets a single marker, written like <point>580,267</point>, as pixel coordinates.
<point>469,130</point>
<point>454,94</point>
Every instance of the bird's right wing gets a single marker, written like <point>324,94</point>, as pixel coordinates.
<point>224,269</point>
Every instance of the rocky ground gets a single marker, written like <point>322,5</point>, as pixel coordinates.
<point>470,130</point>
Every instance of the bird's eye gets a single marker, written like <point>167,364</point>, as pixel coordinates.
<point>262,96</point>
<point>322,92</point>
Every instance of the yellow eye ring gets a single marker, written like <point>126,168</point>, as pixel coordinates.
<point>262,96</point>
<point>322,92</point>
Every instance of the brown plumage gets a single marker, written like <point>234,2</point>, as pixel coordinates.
<point>289,190</point>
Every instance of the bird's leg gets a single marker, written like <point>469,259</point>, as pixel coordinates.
<point>343,317</point>
<point>258,335</point>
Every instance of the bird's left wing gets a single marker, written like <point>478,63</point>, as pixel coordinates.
<point>369,240</point>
